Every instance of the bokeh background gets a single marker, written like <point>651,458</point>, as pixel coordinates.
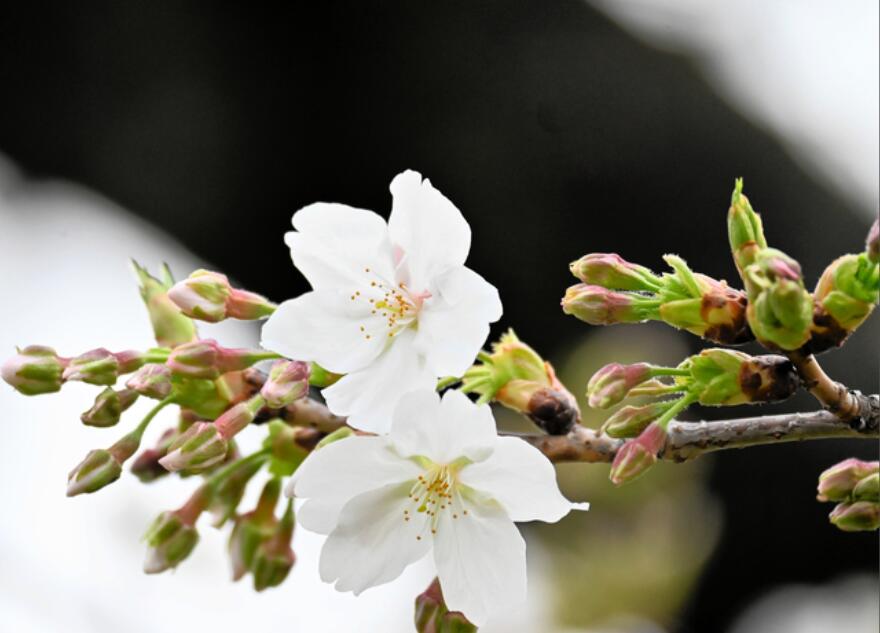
<point>190,132</point>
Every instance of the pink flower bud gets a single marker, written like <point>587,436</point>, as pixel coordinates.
<point>202,295</point>
<point>598,306</point>
<point>837,483</point>
<point>288,381</point>
<point>95,367</point>
<point>238,417</point>
<point>199,448</point>
<point>611,271</point>
<point>208,296</point>
<point>612,383</point>
<point>99,468</point>
<point>152,381</point>
<point>206,359</point>
<point>636,456</point>
<point>34,370</point>
<point>630,421</point>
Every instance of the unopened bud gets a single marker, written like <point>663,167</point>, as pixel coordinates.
<point>612,383</point>
<point>636,456</point>
<point>288,381</point>
<point>199,448</point>
<point>152,381</point>
<point>611,271</point>
<point>844,297</point>
<point>238,417</point>
<point>207,359</point>
<point>859,516</point>
<point>780,311</point>
<point>598,306</point>
<point>169,541</point>
<point>630,421</point>
<point>146,466</point>
<point>108,407</point>
<point>253,528</point>
<point>208,296</point>
<point>432,615</point>
<point>716,312</point>
<point>100,468</point>
<point>744,229</point>
<point>170,327</point>
<point>872,243</point>
<point>838,482</point>
<point>274,558</point>
<point>95,367</point>
<point>34,370</point>
<point>868,489</point>
<point>724,377</point>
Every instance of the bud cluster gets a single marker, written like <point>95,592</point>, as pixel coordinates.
<point>845,296</point>
<point>617,291</point>
<point>515,376</point>
<point>855,486</point>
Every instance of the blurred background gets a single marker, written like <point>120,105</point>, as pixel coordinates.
<point>189,132</point>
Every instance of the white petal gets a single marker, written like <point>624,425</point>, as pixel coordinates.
<point>521,479</point>
<point>325,327</point>
<point>454,324</point>
<point>373,543</point>
<point>334,474</point>
<point>368,396</point>
<point>334,245</point>
<point>481,562</point>
<point>427,226</point>
<point>442,430</point>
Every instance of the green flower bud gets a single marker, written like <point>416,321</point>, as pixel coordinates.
<point>859,516</point>
<point>838,482</point>
<point>844,297</point>
<point>715,311</point>
<point>598,306</point>
<point>630,421</point>
<point>868,489</point>
<point>108,407</point>
<point>99,468</point>
<point>722,377</point>
<point>34,370</point>
<point>170,540</point>
<point>744,229</point>
<point>254,528</point>
<point>780,311</point>
<point>199,448</point>
<point>170,327</point>
<point>274,558</point>
<point>320,377</point>
<point>611,271</point>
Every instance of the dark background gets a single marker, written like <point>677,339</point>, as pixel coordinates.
<point>554,131</point>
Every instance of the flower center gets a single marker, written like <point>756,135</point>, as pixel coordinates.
<point>435,492</point>
<point>394,302</point>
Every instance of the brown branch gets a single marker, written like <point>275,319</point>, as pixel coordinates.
<point>847,404</point>
<point>688,440</point>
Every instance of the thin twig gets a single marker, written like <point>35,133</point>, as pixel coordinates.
<point>688,440</point>
<point>835,397</point>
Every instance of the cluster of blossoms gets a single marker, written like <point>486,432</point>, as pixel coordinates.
<point>394,459</point>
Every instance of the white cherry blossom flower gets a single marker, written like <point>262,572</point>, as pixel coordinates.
<point>393,306</point>
<point>442,479</point>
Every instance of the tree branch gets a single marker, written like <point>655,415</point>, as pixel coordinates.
<point>688,440</point>
<point>837,398</point>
